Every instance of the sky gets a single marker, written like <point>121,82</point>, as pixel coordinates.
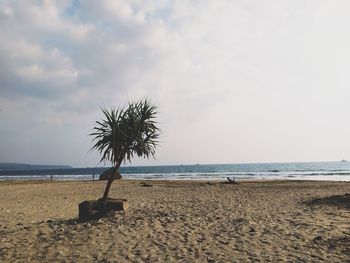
<point>235,80</point>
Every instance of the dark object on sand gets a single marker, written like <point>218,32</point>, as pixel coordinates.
<point>340,201</point>
<point>143,184</point>
<point>231,180</point>
<point>110,172</point>
<point>91,210</point>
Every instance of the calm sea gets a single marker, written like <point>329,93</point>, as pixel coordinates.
<point>329,171</point>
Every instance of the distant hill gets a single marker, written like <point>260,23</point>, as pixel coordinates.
<point>24,166</point>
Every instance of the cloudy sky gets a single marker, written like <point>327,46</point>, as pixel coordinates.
<point>235,80</point>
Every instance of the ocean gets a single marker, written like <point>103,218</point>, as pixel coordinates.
<point>319,171</point>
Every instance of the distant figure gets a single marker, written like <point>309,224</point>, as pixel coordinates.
<point>231,180</point>
<point>51,177</point>
<point>93,177</point>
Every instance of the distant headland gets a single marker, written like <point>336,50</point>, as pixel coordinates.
<point>25,166</point>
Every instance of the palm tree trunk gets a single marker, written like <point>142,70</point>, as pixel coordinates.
<point>109,183</point>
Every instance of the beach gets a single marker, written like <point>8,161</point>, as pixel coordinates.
<point>179,221</point>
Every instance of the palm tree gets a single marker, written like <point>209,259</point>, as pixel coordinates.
<point>124,133</point>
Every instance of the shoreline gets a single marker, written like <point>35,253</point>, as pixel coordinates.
<point>81,178</point>
<point>170,181</point>
<point>183,220</point>
<point>318,171</point>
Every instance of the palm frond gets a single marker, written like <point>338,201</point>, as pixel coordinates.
<point>123,133</point>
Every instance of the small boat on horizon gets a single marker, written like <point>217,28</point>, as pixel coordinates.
<point>343,161</point>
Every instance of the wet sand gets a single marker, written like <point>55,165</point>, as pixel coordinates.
<point>181,221</point>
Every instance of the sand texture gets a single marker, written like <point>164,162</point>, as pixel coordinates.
<point>178,221</point>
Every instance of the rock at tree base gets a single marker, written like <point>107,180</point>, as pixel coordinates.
<point>95,209</point>
<point>105,175</point>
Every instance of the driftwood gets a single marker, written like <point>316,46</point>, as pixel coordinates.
<point>143,184</point>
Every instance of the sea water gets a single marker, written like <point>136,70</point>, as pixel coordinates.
<point>320,171</point>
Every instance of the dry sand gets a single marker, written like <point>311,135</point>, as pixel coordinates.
<point>178,221</point>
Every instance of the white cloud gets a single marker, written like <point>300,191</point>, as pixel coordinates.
<point>235,80</point>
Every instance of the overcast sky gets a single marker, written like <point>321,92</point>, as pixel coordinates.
<point>235,81</point>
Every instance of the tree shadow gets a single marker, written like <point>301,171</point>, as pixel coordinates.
<point>340,201</point>
<point>110,217</point>
<point>71,221</point>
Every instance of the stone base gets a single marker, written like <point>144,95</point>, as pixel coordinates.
<point>95,209</point>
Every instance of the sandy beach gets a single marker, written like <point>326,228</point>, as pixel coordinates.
<point>180,221</point>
